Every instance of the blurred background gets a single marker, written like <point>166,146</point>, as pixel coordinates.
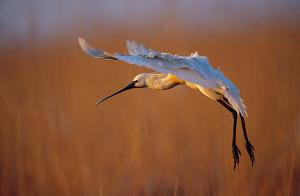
<point>55,141</point>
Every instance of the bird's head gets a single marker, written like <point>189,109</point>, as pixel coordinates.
<point>139,81</point>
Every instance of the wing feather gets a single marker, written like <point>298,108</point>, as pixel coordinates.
<point>231,93</point>
<point>94,52</point>
<point>236,102</point>
<point>139,49</point>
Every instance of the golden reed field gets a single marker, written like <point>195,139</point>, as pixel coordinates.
<point>55,141</point>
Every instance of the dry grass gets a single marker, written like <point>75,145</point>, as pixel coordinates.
<point>54,141</point>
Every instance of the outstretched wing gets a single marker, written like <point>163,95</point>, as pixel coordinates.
<point>191,69</point>
<point>194,68</point>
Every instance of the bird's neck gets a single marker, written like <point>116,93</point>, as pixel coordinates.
<point>163,81</point>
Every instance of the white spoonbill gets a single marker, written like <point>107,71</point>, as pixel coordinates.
<point>193,71</point>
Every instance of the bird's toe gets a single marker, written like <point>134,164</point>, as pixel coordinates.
<point>236,153</point>
<point>250,149</point>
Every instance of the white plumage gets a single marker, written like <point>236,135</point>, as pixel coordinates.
<point>194,69</point>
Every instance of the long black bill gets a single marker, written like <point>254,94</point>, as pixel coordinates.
<point>129,86</point>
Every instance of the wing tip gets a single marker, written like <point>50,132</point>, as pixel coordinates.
<point>81,41</point>
<point>89,50</point>
<point>84,45</point>
<point>243,108</point>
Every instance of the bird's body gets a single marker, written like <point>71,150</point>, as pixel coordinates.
<point>193,71</point>
<point>161,81</point>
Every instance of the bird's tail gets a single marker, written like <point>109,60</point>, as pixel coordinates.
<point>94,52</point>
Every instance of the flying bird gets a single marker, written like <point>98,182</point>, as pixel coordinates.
<point>193,71</point>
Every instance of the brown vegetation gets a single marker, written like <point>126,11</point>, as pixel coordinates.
<point>55,141</point>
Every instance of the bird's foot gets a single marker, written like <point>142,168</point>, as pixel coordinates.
<point>236,152</point>
<point>250,150</point>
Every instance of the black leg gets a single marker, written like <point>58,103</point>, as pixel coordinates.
<point>235,150</point>
<point>249,147</point>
